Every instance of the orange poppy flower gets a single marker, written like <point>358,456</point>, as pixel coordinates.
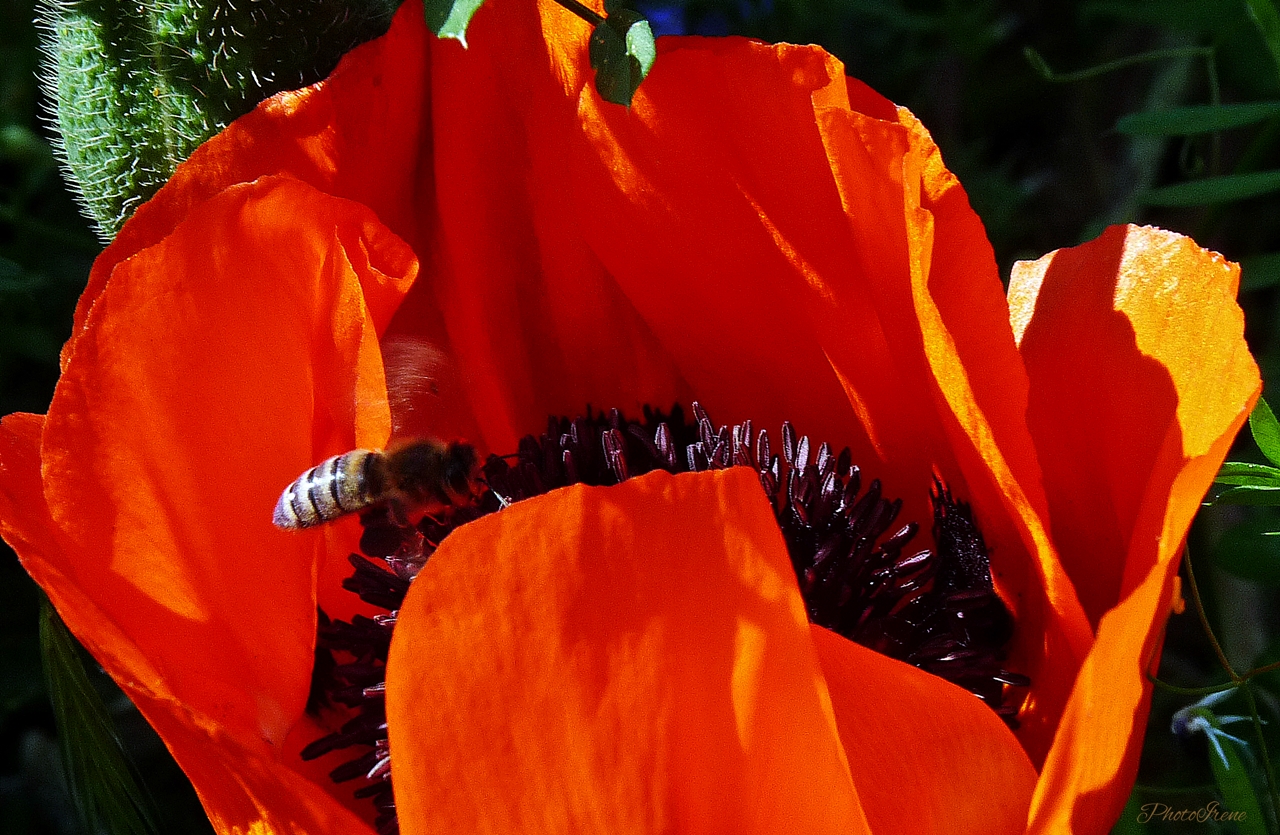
<point>756,232</point>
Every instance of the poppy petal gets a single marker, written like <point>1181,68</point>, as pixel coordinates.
<point>623,298</point>
<point>925,755</point>
<point>624,659</point>
<point>535,324</point>
<point>243,786</point>
<point>947,323</point>
<point>28,528</point>
<point>169,439</point>
<point>24,517</point>
<point>169,435</point>
<point>875,317</point>
<point>1132,341</point>
<point>1140,380</point>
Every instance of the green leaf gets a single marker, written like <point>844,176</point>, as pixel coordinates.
<point>1266,430</point>
<point>136,87</point>
<point>622,51</point>
<point>1250,495</point>
<point>1234,782</point>
<point>450,18</point>
<point>1248,550</point>
<point>1267,19</point>
<point>1203,118</point>
<point>1241,473</point>
<point>101,778</point>
<point>1214,190</point>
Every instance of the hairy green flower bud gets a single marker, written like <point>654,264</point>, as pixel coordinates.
<point>136,87</point>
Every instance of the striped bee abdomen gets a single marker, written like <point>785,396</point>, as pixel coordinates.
<point>341,485</point>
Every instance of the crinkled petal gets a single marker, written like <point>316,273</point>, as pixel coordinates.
<point>1140,379</point>
<point>926,756</point>
<point>953,400</point>
<point>631,659</point>
<point>755,232</point>
<point>875,316</point>
<point>212,370</point>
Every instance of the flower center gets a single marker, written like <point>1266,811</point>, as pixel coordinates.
<point>859,577</point>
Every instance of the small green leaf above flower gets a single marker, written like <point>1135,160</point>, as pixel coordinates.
<point>450,18</point>
<point>622,52</point>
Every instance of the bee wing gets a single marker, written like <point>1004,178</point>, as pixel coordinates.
<point>421,381</point>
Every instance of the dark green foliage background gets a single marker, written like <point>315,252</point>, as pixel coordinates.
<point>1044,167</point>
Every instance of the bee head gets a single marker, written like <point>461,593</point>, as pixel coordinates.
<point>460,467</point>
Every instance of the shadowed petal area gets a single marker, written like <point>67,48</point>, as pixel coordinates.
<point>926,756</point>
<point>631,659</point>
<point>711,204</point>
<point>210,372</point>
<point>183,412</point>
<point>1140,379</point>
<point>27,527</point>
<point>535,321</point>
<point>845,284</point>
<point>955,400</point>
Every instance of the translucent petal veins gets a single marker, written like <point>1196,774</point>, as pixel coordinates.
<point>858,571</point>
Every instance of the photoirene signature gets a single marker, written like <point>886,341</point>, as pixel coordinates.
<point>1164,812</point>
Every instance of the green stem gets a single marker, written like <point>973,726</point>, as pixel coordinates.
<point>582,11</point>
<point>1204,619</point>
<point>1191,691</point>
<point>1242,679</point>
<point>1037,61</point>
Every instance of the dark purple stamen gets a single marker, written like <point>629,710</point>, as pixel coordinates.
<point>935,609</point>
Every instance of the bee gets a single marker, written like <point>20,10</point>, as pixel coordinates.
<point>412,473</point>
